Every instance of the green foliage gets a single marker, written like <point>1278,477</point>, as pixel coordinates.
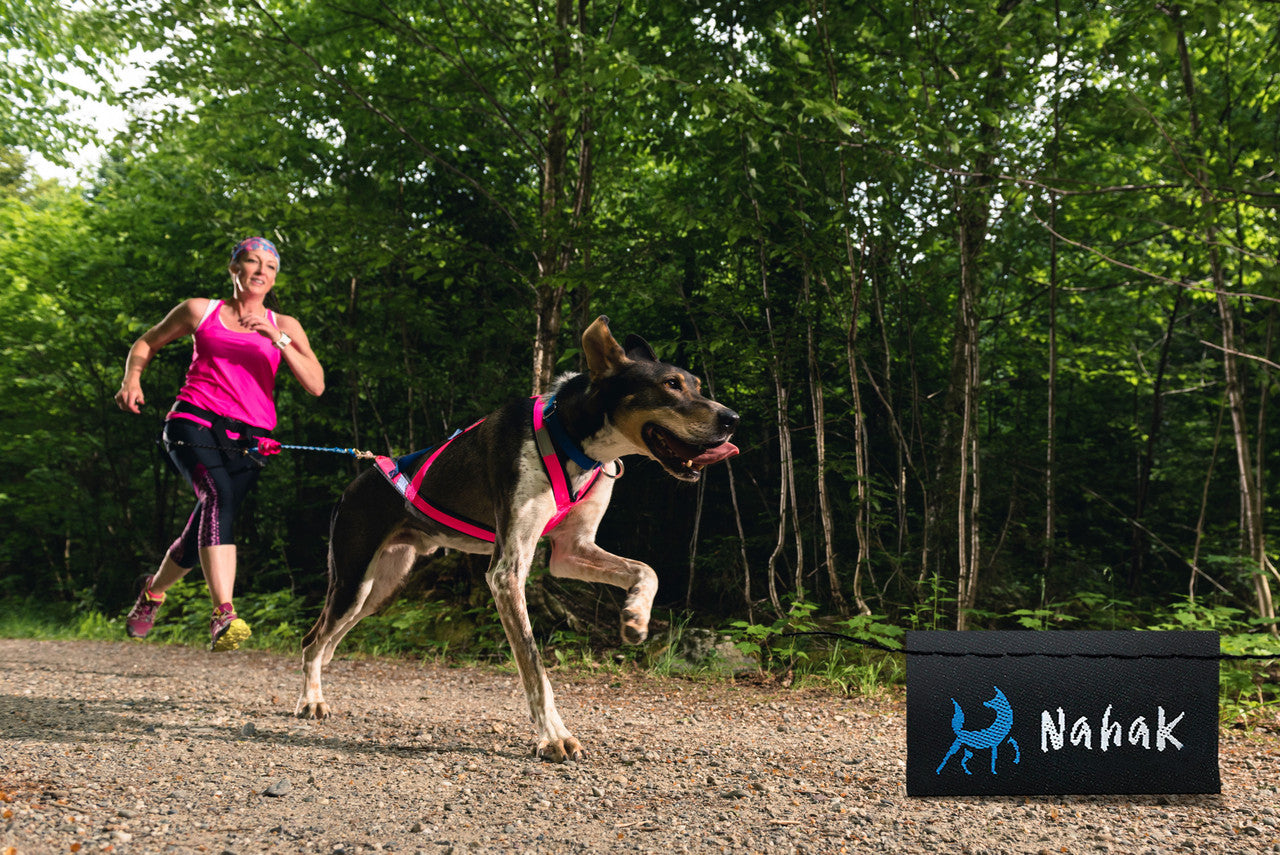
<point>1250,689</point>
<point>431,629</point>
<point>775,199</point>
<point>278,619</point>
<point>781,642</point>
<point>53,52</point>
<point>798,645</point>
<point>930,609</point>
<point>39,618</point>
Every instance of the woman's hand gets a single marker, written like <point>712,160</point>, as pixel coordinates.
<point>130,397</point>
<point>259,324</point>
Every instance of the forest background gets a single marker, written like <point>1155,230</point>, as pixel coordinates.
<point>991,284</point>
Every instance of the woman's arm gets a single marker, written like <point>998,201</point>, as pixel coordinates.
<point>181,321</point>
<point>299,356</point>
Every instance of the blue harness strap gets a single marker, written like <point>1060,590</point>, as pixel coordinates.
<point>551,439</point>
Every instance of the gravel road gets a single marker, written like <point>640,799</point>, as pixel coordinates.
<point>134,747</point>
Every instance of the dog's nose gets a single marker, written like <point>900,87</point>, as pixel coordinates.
<point>728,419</point>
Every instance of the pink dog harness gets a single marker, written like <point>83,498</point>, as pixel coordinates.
<point>551,439</point>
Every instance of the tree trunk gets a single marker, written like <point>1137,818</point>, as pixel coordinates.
<point>565,203</point>
<point>742,544</point>
<point>818,400</point>
<point>862,513</point>
<point>786,500</point>
<point>862,475</point>
<point>693,541</point>
<point>958,462</point>
<point>1140,539</point>
<point>965,363</point>
<point>1204,504</point>
<point>1051,404</point>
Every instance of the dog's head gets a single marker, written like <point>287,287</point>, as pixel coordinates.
<point>657,407</point>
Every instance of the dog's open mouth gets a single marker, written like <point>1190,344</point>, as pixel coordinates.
<point>679,457</point>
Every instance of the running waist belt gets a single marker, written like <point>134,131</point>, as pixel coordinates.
<point>407,479</point>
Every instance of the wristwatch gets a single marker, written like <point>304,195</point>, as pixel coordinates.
<point>283,341</point>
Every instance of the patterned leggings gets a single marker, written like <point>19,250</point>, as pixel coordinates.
<point>221,480</point>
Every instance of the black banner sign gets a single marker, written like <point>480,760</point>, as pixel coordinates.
<point>1055,713</point>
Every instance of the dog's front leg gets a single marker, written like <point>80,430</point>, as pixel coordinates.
<point>575,555</point>
<point>507,576</point>
<point>576,558</point>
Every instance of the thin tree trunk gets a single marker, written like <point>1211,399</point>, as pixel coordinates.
<point>1204,502</point>
<point>552,254</point>
<point>780,542</point>
<point>1051,416</point>
<point>862,533</point>
<point>565,204</point>
<point>742,544</point>
<point>787,495</point>
<point>1140,540</point>
<point>353,396</point>
<point>817,398</point>
<point>1051,406</point>
<point>693,541</point>
<point>968,495</point>
<point>786,487</point>
<point>958,462</point>
<point>861,474</point>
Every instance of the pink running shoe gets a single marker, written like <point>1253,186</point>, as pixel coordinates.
<point>143,614</point>
<point>226,631</point>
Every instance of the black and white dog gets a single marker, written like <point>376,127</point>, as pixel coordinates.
<point>533,467</point>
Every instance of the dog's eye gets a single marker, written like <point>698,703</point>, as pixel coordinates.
<point>675,384</point>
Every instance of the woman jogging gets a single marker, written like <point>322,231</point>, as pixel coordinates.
<point>226,403</point>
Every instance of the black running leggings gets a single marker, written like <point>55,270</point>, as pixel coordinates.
<point>220,478</point>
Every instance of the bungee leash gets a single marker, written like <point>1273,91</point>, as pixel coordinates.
<point>266,446</point>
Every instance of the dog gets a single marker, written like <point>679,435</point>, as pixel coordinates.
<point>536,466</point>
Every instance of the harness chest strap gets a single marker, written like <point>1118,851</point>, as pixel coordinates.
<point>545,425</point>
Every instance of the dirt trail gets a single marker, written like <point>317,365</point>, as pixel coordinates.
<point>135,747</point>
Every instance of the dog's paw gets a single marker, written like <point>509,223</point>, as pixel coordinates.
<point>317,710</point>
<point>560,750</point>
<point>635,628</point>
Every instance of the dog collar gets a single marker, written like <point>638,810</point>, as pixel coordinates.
<point>551,418</point>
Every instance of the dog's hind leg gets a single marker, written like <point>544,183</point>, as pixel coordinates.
<point>383,577</point>
<point>575,555</point>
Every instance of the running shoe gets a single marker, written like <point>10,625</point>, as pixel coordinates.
<point>226,631</point>
<point>143,614</point>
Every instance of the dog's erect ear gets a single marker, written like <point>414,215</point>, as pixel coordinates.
<point>604,354</point>
<point>638,348</point>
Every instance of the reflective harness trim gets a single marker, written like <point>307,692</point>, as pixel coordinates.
<point>549,435</point>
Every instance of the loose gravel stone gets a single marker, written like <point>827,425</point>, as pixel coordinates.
<point>279,788</point>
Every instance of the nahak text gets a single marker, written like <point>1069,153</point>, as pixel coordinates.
<point>1111,734</point>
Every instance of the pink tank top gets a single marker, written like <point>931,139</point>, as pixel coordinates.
<point>232,373</point>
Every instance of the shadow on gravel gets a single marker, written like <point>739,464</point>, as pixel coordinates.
<point>57,720</point>
<point>70,720</point>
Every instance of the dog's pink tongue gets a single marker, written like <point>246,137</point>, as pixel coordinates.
<point>715,455</point>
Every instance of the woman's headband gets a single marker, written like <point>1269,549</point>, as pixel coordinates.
<point>254,243</point>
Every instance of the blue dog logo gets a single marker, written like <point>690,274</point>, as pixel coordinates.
<point>989,737</point>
